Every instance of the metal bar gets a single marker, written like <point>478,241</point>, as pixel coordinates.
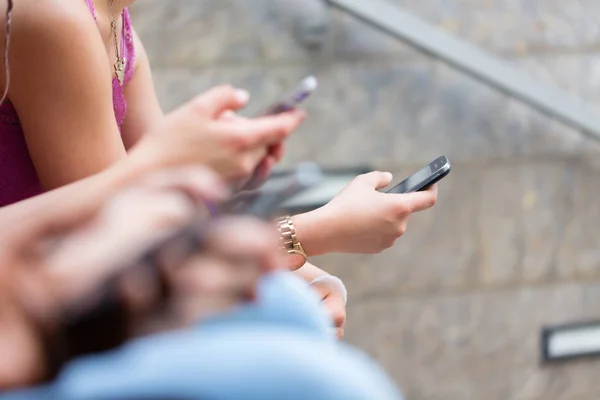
<point>483,66</point>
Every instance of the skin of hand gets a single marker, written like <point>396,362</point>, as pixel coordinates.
<point>261,173</point>
<point>40,261</point>
<point>197,133</point>
<point>240,252</point>
<point>361,220</point>
<point>331,299</point>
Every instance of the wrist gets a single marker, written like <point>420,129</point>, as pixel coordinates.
<point>317,231</point>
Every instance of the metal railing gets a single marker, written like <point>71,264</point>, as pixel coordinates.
<point>473,61</point>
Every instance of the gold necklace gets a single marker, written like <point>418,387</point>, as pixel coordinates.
<point>121,62</point>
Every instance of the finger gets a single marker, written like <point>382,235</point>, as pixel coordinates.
<point>245,236</point>
<point>247,239</point>
<point>261,173</point>
<point>146,209</point>
<point>140,289</point>
<point>336,309</point>
<point>418,201</point>
<point>277,151</point>
<point>119,236</point>
<point>228,115</point>
<point>198,183</point>
<point>333,303</point>
<point>220,99</point>
<point>376,179</point>
<point>263,131</point>
<point>434,189</point>
<point>256,156</point>
<point>38,227</point>
<point>209,275</point>
<point>321,289</point>
<point>266,168</point>
<point>191,310</point>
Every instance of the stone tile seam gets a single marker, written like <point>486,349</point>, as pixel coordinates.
<point>467,290</point>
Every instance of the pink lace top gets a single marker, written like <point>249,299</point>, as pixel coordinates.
<point>18,178</point>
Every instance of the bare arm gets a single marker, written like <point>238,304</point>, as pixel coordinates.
<point>71,203</point>
<point>61,88</point>
<point>143,108</point>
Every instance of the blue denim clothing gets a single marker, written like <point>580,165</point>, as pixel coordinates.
<point>278,348</point>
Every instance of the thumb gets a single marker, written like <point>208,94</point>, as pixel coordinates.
<point>322,290</point>
<point>219,99</point>
<point>375,179</point>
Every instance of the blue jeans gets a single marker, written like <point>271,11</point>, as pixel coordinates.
<point>277,348</point>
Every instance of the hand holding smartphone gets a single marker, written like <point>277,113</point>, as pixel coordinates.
<point>425,178</point>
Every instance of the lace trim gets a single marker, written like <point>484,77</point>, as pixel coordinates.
<point>129,44</point>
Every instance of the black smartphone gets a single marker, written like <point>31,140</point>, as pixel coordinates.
<point>423,179</point>
<point>293,99</point>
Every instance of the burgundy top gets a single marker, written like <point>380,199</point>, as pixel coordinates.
<point>18,178</point>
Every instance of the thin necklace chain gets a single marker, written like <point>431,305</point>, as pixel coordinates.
<point>120,63</point>
<point>113,29</point>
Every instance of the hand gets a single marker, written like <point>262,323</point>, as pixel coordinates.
<point>334,303</point>
<point>139,214</point>
<point>361,219</point>
<point>173,290</point>
<point>43,258</point>
<point>197,133</point>
<point>333,299</point>
<point>239,252</point>
<point>265,167</point>
<point>261,173</point>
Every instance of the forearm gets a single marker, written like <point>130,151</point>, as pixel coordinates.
<point>76,200</point>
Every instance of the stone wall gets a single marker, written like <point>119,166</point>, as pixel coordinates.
<point>454,311</point>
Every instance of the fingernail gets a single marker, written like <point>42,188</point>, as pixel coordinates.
<point>242,95</point>
<point>389,175</point>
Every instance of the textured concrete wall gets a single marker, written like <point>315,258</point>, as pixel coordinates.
<point>454,311</point>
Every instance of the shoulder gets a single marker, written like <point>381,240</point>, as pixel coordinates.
<point>56,47</point>
<point>50,35</point>
<point>48,21</point>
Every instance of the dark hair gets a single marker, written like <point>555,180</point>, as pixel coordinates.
<point>9,9</point>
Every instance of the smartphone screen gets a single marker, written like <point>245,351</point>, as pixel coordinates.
<point>424,178</point>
